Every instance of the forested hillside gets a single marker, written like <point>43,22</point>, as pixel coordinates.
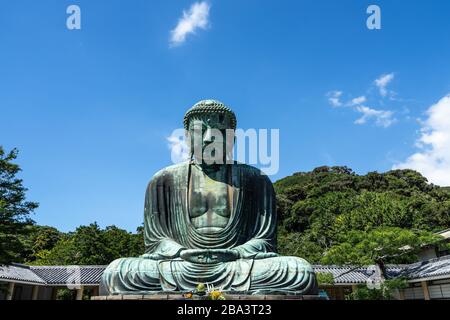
<point>333,208</point>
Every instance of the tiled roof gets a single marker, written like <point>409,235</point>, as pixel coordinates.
<point>345,274</point>
<point>20,273</point>
<point>52,275</point>
<point>433,268</point>
<point>70,274</point>
<point>393,271</point>
<point>356,275</point>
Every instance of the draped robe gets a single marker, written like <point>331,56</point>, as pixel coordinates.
<point>251,231</point>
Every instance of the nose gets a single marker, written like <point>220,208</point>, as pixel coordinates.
<point>208,137</point>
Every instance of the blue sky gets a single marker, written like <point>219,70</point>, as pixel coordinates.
<point>90,110</point>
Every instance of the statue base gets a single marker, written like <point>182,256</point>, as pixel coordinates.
<point>228,297</point>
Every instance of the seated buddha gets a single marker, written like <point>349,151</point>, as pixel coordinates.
<point>210,220</point>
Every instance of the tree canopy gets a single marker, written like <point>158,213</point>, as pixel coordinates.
<point>333,215</point>
<point>15,210</point>
<point>91,245</point>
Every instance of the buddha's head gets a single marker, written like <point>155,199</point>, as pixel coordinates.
<point>210,126</point>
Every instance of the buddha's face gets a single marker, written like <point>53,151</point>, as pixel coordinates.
<point>211,138</point>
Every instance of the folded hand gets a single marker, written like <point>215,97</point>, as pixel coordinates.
<point>208,256</point>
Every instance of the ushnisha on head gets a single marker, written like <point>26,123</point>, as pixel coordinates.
<point>210,126</point>
<point>210,109</point>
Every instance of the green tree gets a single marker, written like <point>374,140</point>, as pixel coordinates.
<point>325,278</point>
<point>379,246</point>
<point>122,243</point>
<point>384,292</point>
<point>372,209</point>
<point>15,210</point>
<point>316,209</point>
<point>91,245</point>
<point>38,239</point>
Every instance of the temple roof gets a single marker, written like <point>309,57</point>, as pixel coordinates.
<point>345,274</point>
<point>62,275</point>
<point>52,275</point>
<point>20,273</point>
<point>425,270</point>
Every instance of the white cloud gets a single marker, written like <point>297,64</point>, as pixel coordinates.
<point>433,157</point>
<point>382,83</point>
<point>195,18</point>
<point>334,98</point>
<point>357,101</point>
<point>178,147</point>
<point>382,118</point>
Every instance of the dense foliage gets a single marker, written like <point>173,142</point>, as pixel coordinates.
<point>332,215</point>
<point>88,245</point>
<point>14,209</point>
<point>385,291</point>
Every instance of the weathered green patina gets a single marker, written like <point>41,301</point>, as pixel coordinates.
<point>209,223</point>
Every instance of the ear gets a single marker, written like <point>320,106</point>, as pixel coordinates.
<point>187,136</point>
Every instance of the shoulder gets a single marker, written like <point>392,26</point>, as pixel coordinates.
<point>249,169</point>
<point>252,172</point>
<point>169,173</point>
<point>171,170</point>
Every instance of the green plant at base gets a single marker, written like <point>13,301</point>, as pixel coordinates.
<point>385,292</point>
<point>325,278</point>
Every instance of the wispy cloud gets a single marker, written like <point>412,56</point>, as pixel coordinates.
<point>382,118</point>
<point>334,98</point>
<point>195,18</point>
<point>357,101</point>
<point>433,156</point>
<point>382,83</point>
<point>178,147</point>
